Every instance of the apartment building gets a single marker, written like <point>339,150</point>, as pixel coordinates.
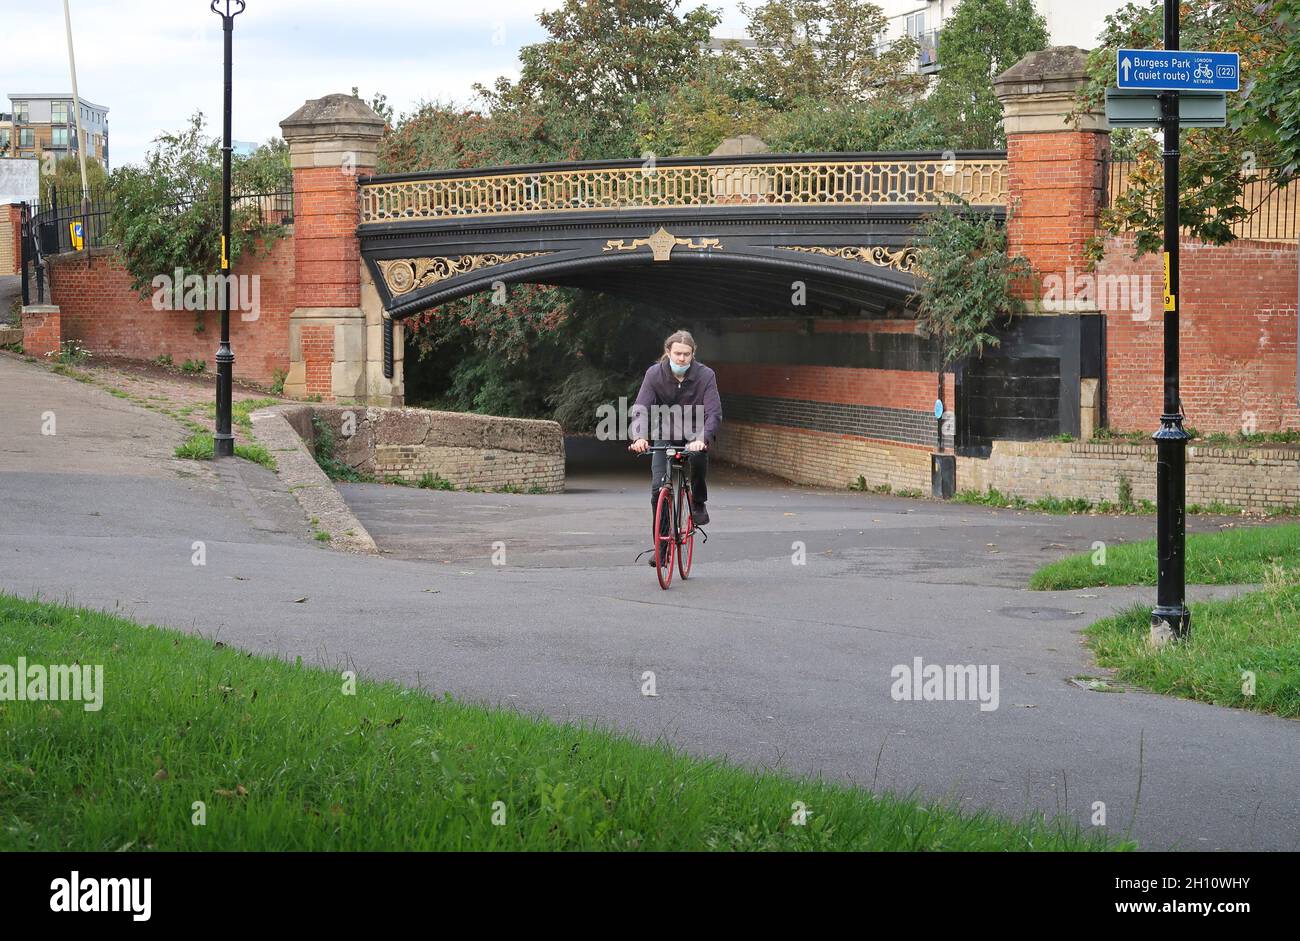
<point>40,124</point>
<point>1069,23</point>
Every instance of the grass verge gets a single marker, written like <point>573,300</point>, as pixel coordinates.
<point>199,447</point>
<point>1229,557</point>
<point>283,759</point>
<point>1243,653</point>
<point>1076,505</point>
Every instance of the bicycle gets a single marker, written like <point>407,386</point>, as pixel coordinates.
<point>674,495</point>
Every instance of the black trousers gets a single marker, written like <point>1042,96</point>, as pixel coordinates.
<point>699,461</point>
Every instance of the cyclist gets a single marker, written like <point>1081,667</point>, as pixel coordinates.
<point>690,389</point>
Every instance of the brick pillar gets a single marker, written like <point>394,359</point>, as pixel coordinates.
<point>331,141</point>
<point>42,330</point>
<point>1055,167</point>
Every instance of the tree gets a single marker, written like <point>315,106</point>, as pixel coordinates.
<point>693,118</point>
<point>968,281</point>
<point>265,170</point>
<point>66,177</point>
<point>1261,142</point>
<point>983,39</point>
<point>825,49</point>
<point>166,213</point>
<point>578,89</point>
<point>379,105</point>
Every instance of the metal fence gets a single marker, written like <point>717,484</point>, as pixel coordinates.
<point>1274,211</point>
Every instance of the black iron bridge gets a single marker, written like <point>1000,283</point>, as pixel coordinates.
<point>713,236</point>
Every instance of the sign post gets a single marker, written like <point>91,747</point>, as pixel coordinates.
<point>1170,70</point>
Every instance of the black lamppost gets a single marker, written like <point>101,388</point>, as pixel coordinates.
<point>223,442</point>
<point>1170,617</point>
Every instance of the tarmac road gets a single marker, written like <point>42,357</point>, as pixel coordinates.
<point>757,658</point>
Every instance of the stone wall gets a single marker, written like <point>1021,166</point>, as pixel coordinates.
<point>1255,477</point>
<point>826,460</point>
<point>468,450</point>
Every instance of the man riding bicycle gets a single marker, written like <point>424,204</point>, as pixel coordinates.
<point>679,405</point>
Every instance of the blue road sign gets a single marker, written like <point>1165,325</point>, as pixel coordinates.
<point>938,408</point>
<point>1178,70</point>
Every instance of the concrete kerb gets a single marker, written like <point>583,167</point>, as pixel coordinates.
<point>314,491</point>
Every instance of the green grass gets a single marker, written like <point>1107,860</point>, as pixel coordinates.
<point>1075,505</point>
<point>285,760</point>
<point>199,447</point>
<point>432,481</point>
<point>240,411</point>
<point>1221,439</point>
<point>1229,557</point>
<point>1257,632</point>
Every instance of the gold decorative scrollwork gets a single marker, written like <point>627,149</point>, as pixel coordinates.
<point>403,275</point>
<point>904,259</point>
<point>794,182</point>
<point>661,244</point>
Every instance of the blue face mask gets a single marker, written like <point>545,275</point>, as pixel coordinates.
<point>679,370</point>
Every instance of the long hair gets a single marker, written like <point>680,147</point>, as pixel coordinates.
<point>681,336</point>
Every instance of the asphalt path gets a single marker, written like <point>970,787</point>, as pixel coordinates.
<point>772,655</point>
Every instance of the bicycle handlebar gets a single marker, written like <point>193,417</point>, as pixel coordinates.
<point>669,447</point>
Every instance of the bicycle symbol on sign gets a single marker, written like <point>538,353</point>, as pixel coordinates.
<point>1204,72</point>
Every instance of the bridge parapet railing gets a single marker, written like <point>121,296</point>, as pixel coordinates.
<point>773,180</point>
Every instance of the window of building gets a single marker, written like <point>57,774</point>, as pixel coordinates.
<point>21,111</point>
<point>26,137</point>
<point>59,112</point>
<point>916,25</point>
<point>59,137</point>
<point>4,139</point>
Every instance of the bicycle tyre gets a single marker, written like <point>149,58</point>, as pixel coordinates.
<point>686,535</point>
<point>663,545</point>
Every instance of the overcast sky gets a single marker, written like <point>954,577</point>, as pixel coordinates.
<point>154,62</point>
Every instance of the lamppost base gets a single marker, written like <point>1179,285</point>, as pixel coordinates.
<point>223,445</point>
<point>1169,624</point>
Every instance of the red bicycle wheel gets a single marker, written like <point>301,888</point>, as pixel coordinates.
<point>663,544</point>
<point>686,523</point>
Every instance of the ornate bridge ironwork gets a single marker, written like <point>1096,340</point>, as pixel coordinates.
<point>721,235</point>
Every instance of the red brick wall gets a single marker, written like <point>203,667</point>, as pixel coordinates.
<point>328,255</point>
<point>893,388</point>
<point>1055,184</point>
<point>1237,324</point>
<point>101,310</point>
<point>318,358</point>
<point>41,333</point>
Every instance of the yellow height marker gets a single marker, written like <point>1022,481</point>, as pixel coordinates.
<point>225,264</point>
<point>1171,302</point>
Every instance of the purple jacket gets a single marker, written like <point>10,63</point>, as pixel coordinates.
<point>700,411</point>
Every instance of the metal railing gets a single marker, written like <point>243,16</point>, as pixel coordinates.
<point>1274,211</point>
<point>776,179</point>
